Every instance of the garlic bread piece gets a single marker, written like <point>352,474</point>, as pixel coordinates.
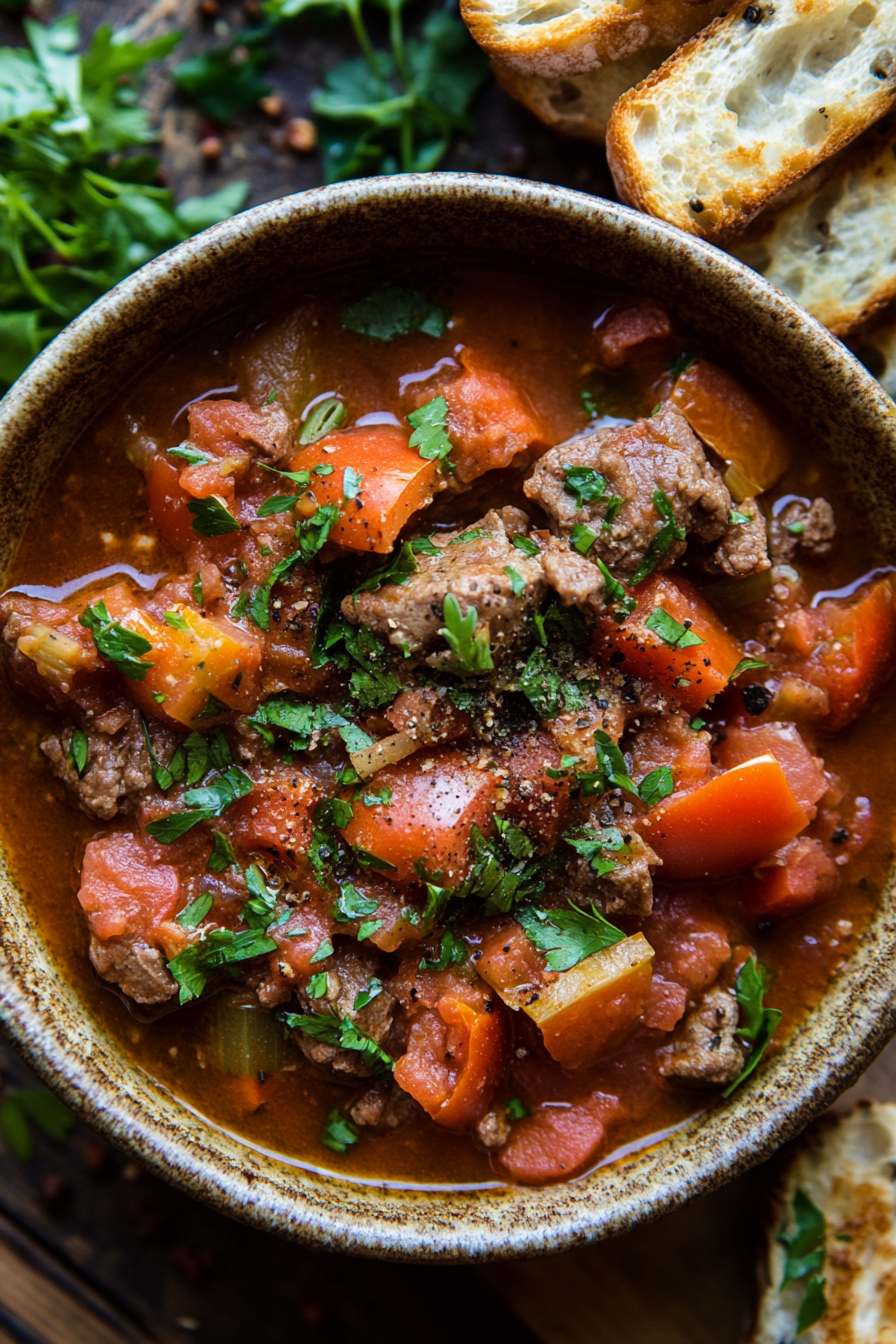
<point>758,99</point>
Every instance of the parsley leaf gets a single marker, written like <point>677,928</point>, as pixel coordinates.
<point>193,914</point>
<point>277,504</point>
<point>681,364</point>
<point>504,872</point>
<point>594,846</point>
<point>515,1109</point>
<point>368,860</point>
<point>175,620</point>
<point>204,803</point>
<point>163,777</point>
<point>670,631</point>
<point>759,1022</point>
<point>189,454</point>
<point>211,518</point>
<point>392,311</point>
<point>325,417</point>
<point>736,518</point>
<point>351,484</point>
<point>225,80</point>
<point>342,1033</point>
<point>312,532</point>
<point>430,437</point>
<point>568,936</point>
<point>669,533</point>
<point>451,953</point>
<point>299,719</point>
<point>194,967</point>
<point>746,665</point>
<point>351,904</point>
<point>121,646</point>
<point>544,688</point>
<point>398,569</point>
<point>624,605</point>
<point>260,602</point>
<point>517,582</point>
<point>471,652</point>
<point>332,812</point>
<point>805,1246</point>
<point>339,1133</point>
<point>373,990</point>
<point>584,484</point>
<point>77,750</point>
<point>611,764</point>
<point>524,544</point>
<point>356,649</point>
<point>656,786</point>
<point>581,538</point>
<point>222,855</point>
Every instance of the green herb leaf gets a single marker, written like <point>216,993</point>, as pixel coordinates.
<point>211,518</point>
<point>611,764</point>
<point>368,860</point>
<point>351,484</point>
<point>121,646</point>
<point>471,653</point>
<point>77,751</point>
<point>527,547</point>
<point>813,1305</point>
<point>195,966</point>
<point>594,845</point>
<point>204,804</point>
<point>342,1033</point>
<point>352,904</point>
<point>759,1023</point>
<point>392,311</point>
<point>325,950</point>
<point>175,620</point>
<point>192,456</point>
<point>332,812</point>
<point>339,1133</point>
<point>670,631</point>
<point>312,532</point>
<point>568,936</point>
<point>373,990</point>
<point>430,437</point>
<point>697,725</point>
<point>318,985</point>
<point>355,738</point>
<point>222,855</point>
<point>397,569</point>
<point>681,364</point>
<point>451,953</point>
<point>515,1109</point>
<point>196,590</point>
<point>736,518</point>
<point>326,417</point>
<point>656,786</point>
<point>581,538</point>
<point>277,504</point>
<point>225,80</point>
<point>746,665</point>
<point>669,533</point>
<point>517,582</point>
<point>805,1246</point>
<point>584,484</point>
<point>193,914</point>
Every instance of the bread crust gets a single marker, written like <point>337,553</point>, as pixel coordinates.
<point>573,38</point>
<point>579,106</point>
<point>750,105</point>
<point>829,242</point>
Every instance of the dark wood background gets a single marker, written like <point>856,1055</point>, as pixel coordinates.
<point>93,1249</point>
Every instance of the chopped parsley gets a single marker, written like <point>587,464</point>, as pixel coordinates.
<point>670,631</point>
<point>451,953</point>
<point>568,936</point>
<point>352,904</point>
<point>196,965</point>
<point>515,1109</point>
<point>203,803</point>
<point>355,649</point>
<point>312,532</point>
<point>525,545</point>
<point>669,533</point>
<point>192,456</point>
<point>222,855</point>
<point>545,689</point>
<point>318,985</point>
<point>193,914</point>
<point>746,665</point>
<point>342,1033</point>
<point>398,569</point>
<point>373,990</point>
<point>175,620</point>
<point>368,860</point>
<point>260,602</point>
<point>656,786</point>
<point>324,950</point>
<point>339,1133</point>
<point>277,504</point>
<point>623,604</point>
<point>681,364</point>
<point>332,812</point>
<point>595,846</point>
<point>196,590</point>
<point>77,751</point>
<point>430,437</point>
<point>804,1252</point>
<point>471,651</point>
<point>211,518</point>
<point>123,647</point>
<point>504,872</point>
<point>326,416</point>
<point>758,1023</point>
<point>299,719</point>
<point>161,774</point>
<point>517,582</point>
<point>395,310</point>
<point>736,518</point>
<point>581,538</point>
<point>351,484</point>
<point>355,738</point>
<point>584,484</point>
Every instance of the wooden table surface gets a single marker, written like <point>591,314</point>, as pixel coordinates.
<point>94,1250</point>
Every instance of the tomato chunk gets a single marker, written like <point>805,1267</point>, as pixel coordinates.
<point>125,891</point>
<point>735,424</point>
<point>188,665</point>
<point>557,1141</point>
<point>395,482</point>
<point>277,815</point>
<point>628,328</point>
<point>805,772</point>
<point>436,798</point>
<point>803,875</point>
<point>167,501</point>
<point>856,653</point>
<point>726,825</point>
<point>457,1055</point>
<point>693,674</point>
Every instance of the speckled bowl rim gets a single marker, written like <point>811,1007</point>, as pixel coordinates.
<point>74,377</point>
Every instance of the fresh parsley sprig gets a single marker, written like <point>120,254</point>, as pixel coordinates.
<point>758,1023</point>
<point>123,647</point>
<point>196,965</point>
<point>471,651</point>
<point>203,803</point>
<point>430,436</point>
<point>804,1256</point>
<point>342,1033</point>
<point>669,533</point>
<point>568,936</point>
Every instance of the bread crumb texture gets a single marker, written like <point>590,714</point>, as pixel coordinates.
<point>846,1167</point>
<point>558,38</point>
<point>835,252</point>
<point>759,98</point>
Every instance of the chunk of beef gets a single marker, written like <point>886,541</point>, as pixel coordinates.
<point>138,969</point>
<point>627,890</point>
<point>661,453</point>
<point>427,715</point>
<point>118,770</point>
<point>472,564</point>
<point>575,580</point>
<point>744,547</point>
<point>349,971</point>
<point>493,1130</point>
<point>809,529</point>
<point>706,1049</point>
<point>383,1106</point>
<point>220,426</point>
<point>628,328</point>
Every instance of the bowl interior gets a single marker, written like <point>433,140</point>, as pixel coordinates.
<point>837,404</point>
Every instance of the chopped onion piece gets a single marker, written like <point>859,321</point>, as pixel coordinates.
<point>385,752</point>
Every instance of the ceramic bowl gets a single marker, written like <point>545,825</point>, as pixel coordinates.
<point>832,397</point>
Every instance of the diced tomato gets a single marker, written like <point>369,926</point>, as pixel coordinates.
<point>395,482</point>
<point>457,1055</point>
<point>805,772</point>
<point>666,1003</point>
<point>803,874</point>
<point>510,963</point>
<point>301,937</point>
<point>225,428</point>
<point>628,328</point>
<point>436,797</point>
<point>670,740</point>
<point>490,420</point>
<point>535,801</point>
<point>211,657</point>
<point>277,815</point>
<point>736,425</point>
<point>125,891</point>
<point>692,675</point>
<point>856,655</point>
<point>167,501</point>
<point>690,944</point>
<point>558,1140</point>
<point>726,825</point>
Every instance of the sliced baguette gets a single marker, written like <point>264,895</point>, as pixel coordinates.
<point>579,106</point>
<point>557,38</point>
<point>845,1166</point>
<point>758,99</point>
<point>834,249</point>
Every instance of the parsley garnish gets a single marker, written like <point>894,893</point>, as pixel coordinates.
<point>226,79</point>
<point>429,436</point>
<point>398,569</point>
<point>668,533</point>
<point>204,803</point>
<point>367,995</point>
<point>515,1109</point>
<point>735,518</point>
<point>746,665</point>
<point>342,1033</point>
<point>326,416</point>
<point>161,775</point>
<point>525,545</point>
<point>624,605</point>
<point>504,872</point>
<point>211,518</point>
<point>175,620</point>
<point>544,688</point>
<point>339,1133</point>
<point>355,649</point>
<point>451,953</point>
<point>584,484</point>
<point>568,936</point>
<point>759,1023</point>
<point>195,966</point>
<point>612,771</point>
<point>196,590</point>
<point>222,855</point>
<point>355,738</point>
<point>351,484</point>
<point>193,914</point>
<point>594,846</point>
<point>392,311</point>
<point>260,602</point>
<point>300,719</point>
<point>277,504</point>
<point>189,454</point>
<point>352,904</point>
<point>656,786</point>
<point>517,582</point>
<point>368,860</point>
<point>804,1250</point>
<point>471,652</point>
<point>560,622</point>
<point>77,751</point>
<point>312,532</point>
<point>681,363</point>
<point>318,985</point>
<point>697,725</point>
<point>677,636</point>
<point>121,646</point>
<point>332,812</point>
<point>581,538</point>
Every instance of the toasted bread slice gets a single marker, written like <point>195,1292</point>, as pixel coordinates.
<point>579,106</point>
<point>557,38</point>
<point>758,99</point>
<point>845,1166</point>
<point>834,249</point>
